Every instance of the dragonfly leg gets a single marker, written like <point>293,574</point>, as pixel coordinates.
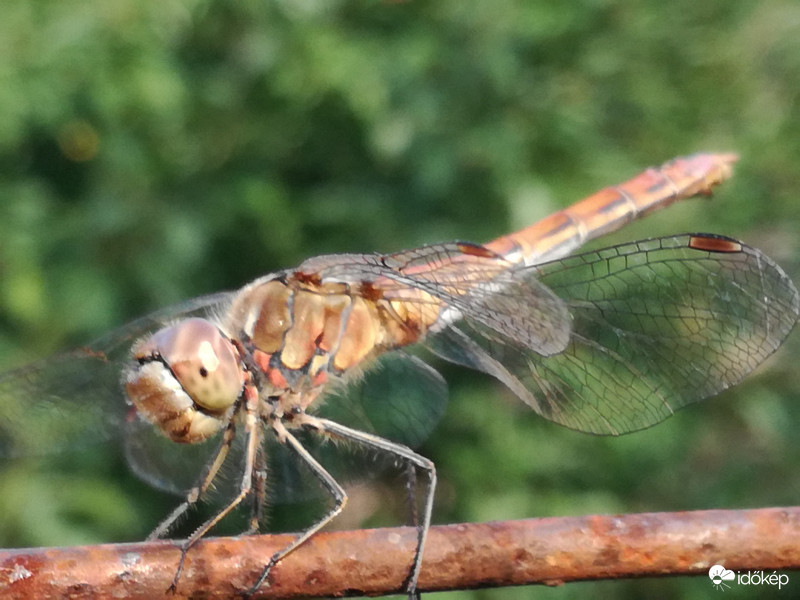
<point>203,483</point>
<point>260,491</point>
<point>411,493</point>
<point>252,441</point>
<point>327,480</point>
<point>417,461</point>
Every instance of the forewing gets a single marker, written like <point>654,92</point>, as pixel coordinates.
<point>656,325</point>
<point>459,279</point>
<point>77,398</point>
<point>51,405</point>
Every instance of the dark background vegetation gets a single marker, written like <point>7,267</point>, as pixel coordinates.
<point>155,151</point>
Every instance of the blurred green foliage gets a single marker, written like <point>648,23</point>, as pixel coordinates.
<point>151,152</point>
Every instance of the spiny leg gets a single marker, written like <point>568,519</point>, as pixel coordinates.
<point>336,430</point>
<point>411,498</point>
<point>411,492</point>
<point>260,491</point>
<point>252,441</point>
<point>210,472</point>
<point>327,480</point>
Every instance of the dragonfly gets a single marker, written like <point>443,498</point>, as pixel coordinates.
<point>606,342</point>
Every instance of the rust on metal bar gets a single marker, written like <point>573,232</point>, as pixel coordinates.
<point>372,562</point>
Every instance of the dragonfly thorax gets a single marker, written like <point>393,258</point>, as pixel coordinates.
<point>301,329</point>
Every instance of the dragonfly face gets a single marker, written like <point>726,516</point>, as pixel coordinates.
<point>185,380</point>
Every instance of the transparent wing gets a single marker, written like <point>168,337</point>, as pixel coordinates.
<point>165,464</point>
<point>459,279</point>
<point>656,325</point>
<point>399,397</point>
<point>76,397</point>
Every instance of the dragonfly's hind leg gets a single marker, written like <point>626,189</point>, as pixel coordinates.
<point>327,480</point>
<point>411,458</point>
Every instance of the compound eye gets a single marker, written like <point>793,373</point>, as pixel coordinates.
<point>203,361</point>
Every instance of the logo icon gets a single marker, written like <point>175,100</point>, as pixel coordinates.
<point>719,575</point>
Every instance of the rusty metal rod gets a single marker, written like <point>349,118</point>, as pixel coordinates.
<point>372,562</point>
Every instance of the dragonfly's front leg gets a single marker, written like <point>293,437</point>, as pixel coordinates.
<point>416,461</point>
<point>200,488</point>
<point>252,442</point>
<point>259,490</point>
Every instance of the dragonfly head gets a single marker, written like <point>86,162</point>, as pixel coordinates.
<point>185,379</point>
